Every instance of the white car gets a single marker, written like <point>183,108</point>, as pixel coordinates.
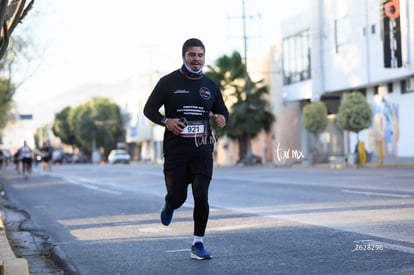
<point>119,156</point>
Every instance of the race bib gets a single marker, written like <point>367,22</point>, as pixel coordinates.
<point>195,129</point>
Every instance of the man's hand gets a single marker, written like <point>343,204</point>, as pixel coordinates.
<point>220,120</point>
<point>175,125</point>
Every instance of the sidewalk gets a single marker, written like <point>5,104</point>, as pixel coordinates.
<point>388,162</point>
<point>22,252</point>
<point>392,162</point>
<point>9,263</point>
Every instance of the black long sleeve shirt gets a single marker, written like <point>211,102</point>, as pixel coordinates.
<point>194,99</point>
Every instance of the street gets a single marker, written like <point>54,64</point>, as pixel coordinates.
<point>104,219</point>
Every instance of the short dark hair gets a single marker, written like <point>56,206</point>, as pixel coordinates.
<point>192,42</point>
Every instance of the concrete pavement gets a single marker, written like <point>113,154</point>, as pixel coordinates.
<point>12,265</point>
<point>388,162</point>
<point>9,263</point>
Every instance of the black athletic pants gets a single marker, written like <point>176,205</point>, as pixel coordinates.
<point>195,169</point>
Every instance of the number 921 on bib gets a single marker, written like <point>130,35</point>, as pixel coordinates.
<point>195,129</point>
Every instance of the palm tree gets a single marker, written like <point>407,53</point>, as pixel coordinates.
<point>247,102</point>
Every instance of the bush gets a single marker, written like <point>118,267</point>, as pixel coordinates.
<point>315,117</point>
<point>354,114</point>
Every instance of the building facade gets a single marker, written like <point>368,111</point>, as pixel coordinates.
<point>336,48</point>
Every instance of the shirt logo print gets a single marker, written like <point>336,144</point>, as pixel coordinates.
<point>205,93</point>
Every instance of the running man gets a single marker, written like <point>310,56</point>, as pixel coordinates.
<point>189,98</point>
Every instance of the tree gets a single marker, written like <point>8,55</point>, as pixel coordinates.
<point>9,63</point>
<point>354,114</point>
<point>315,120</point>
<point>247,102</point>
<point>12,13</point>
<point>40,135</point>
<point>10,47</point>
<point>99,121</point>
<point>7,90</point>
<point>61,127</point>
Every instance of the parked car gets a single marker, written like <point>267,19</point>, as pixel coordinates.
<point>119,156</point>
<point>67,158</point>
<point>57,157</point>
<point>79,158</point>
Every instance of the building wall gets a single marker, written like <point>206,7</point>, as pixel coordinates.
<point>359,60</point>
<point>286,131</point>
<point>226,152</point>
<point>350,51</point>
<point>361,63</point>
<point>392,123</point>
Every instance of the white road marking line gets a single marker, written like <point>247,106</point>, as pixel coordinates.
<point>178,250</point>
<point>81,182</point>
<point>400,248</point>
<point>376,193</point>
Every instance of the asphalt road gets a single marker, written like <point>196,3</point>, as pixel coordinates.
<point>263,220</point>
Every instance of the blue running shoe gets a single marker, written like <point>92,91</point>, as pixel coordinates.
<point>199,253</point>
<point>166,214</point>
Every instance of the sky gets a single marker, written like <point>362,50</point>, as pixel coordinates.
<point>105,41</point>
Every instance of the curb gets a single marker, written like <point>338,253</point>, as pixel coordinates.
<point>9,264</point>
<point>351,166</point>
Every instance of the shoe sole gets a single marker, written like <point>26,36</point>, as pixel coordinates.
<point>196,257</point>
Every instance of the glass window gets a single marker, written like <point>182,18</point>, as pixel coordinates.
<point>342,32</point>
<point>407,85</point>
<point>296,58</point>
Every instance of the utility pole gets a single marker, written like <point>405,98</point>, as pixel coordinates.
<point>248,157</point>
<point>246,37</point>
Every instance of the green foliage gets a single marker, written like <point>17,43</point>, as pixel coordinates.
<point>250,114</point>
<point>247,101</point>
<point>314,117</point>
<point>7,91</point>
<point>81,124</point>
<point>226,70</point>
<point>355,114</point>
<point>8,64</point>
<point>97,119</point>
<point>40,132</point>
<point>61,127</point>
